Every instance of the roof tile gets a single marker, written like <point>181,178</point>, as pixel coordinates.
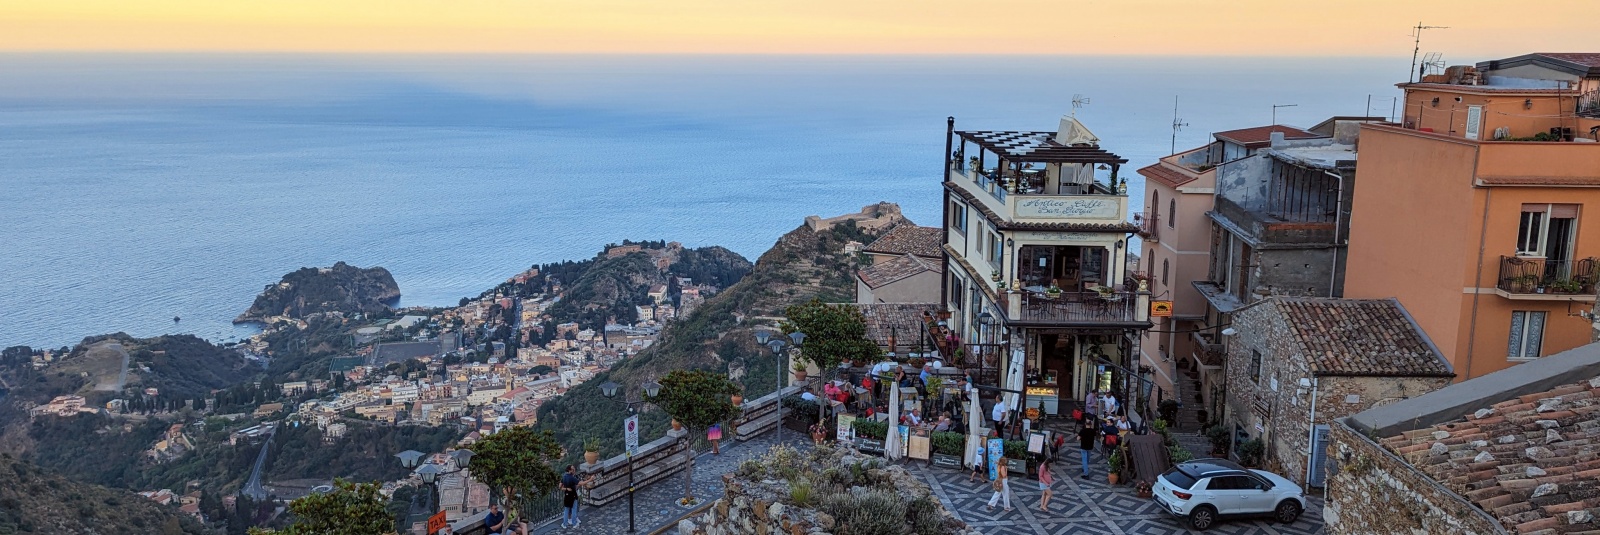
<point>907,238</point>
<point>1369,337</point>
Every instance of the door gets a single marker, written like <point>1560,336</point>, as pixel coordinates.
<point>1319,456</point>
<point>1229,494</point>
<point>1474,121</point>
<point>1257,496</point>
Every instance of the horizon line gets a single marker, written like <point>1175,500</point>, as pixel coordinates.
<point>642,53</point>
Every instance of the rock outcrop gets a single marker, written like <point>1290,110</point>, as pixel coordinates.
<point>342,288</point>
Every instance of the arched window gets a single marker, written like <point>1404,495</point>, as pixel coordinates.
<point>1172,208</point>
<point>1164,269</point>
<point>1155,203</point>
<point>1149,263</point>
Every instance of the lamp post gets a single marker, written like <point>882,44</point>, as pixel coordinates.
<point>651,390</point>
<point>795,339</point>
<point>430,472</point>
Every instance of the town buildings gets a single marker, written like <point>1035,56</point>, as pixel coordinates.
<point>907,266</point>
<point>1038,289</point>
<point>1296,363</point>
<point>1479,229</point>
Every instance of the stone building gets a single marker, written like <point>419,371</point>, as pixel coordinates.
<point>1295,364</point>
<point>1515,451</point>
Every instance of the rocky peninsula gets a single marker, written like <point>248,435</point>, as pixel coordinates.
<point>342,288</point>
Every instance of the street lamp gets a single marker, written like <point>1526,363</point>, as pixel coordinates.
<point>795,339</point>
<point>651,390</point>
<point>430,472</point>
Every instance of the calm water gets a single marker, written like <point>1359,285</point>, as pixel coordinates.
<point>136,188</point>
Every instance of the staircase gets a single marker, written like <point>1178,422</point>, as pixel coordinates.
<point>1189,414</point>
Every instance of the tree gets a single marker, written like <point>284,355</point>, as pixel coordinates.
<point>834,334</point>
<point>350,509</point>
<point>516,461</point>
<point>697,399</point>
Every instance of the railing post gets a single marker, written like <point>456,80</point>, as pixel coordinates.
<point>1141,307</point>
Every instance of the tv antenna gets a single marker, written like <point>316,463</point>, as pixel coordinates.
<point>1432,63</point>
<point>1275,111</point>
<point>1416,35</point>
<point>1177,124</point>
<point>1078,101</point>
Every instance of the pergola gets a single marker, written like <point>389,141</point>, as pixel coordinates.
<point>1036,147</point>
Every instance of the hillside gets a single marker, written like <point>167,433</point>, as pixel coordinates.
<point>802,264</point>
<point>342,288</point>
<point>612,284</point>
<point>33,500</point>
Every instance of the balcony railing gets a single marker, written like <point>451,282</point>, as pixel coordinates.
<point>1076,308</point>
<point>1148,229</point>
<point>1589,104</point>
<point>1535,276</point>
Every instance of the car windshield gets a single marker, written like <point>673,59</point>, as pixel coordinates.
<point>1178,479</point>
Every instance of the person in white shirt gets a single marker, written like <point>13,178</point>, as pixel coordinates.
<point>998,413</point>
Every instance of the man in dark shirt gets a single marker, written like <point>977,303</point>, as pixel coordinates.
<point>1086,438</point>
<point>495,521</point>
<point>569,497</point>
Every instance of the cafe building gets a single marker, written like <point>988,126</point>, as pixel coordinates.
<point>1039,294</point>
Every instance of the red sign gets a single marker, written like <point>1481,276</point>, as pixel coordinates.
<point>436,523</point>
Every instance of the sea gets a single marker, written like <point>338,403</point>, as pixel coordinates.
<point>136,189</point>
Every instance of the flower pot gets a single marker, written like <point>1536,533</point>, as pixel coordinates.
<point>591,457</point>
<point>1111,478</point>
<point>799,375</point>
<point>676,426</point>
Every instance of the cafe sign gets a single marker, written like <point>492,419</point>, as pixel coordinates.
<point>1161,309</point>
<point>1080,207</point>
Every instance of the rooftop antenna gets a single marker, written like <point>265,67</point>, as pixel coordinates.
<point>1416,35</point>
<point>1177,124</point>
<point>1432,63</point>
<point>1078,101</point>
<point>1275,111</point>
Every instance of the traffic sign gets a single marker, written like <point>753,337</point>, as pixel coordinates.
<point>630,429</point>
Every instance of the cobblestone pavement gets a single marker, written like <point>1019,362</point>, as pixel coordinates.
<point>656,505</point>
<point>1082,506</point>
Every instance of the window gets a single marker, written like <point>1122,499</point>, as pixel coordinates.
<point>1255,366</point>
<point>1527,334</point>
<point>1233,483</point>
<point>1164,269</point>
<point>958,217</point>
<point>1172,209</point>
<point>995,252</point>
<point>1546,230</point>
<point>955,290</point>
<point>1155,203</point>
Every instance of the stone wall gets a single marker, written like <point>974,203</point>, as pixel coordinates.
<point>1372,491</point>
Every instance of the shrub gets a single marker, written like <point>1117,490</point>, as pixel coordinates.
<point>1219,436</point>
<point>800,491</point>
<point>871,429</point>
<point>948,443</point>
<point>878,512</point>
<point>1016,449</point>
<point>925,518</point>
<point>1250,452</point>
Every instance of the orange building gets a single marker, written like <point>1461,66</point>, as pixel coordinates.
<point>1481,232</point>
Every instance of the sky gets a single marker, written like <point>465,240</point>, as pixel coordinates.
<point>1478,29</point>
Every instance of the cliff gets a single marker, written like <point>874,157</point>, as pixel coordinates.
<point>341,288</point>
<point>33,500</point>
<point>807,262</point>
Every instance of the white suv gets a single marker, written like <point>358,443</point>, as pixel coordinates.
<point>1206,490</point>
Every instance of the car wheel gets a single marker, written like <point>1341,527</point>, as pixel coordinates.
<point>1202,517</point>
<point>1287,512</point>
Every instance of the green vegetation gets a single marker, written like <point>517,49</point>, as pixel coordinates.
<point>871,429</point>
<point>35,500</point>
<point>862,497</point>
<point>716,266</point>
<point>516,463</point>
<point>611,288</point>
<point>351,509</point>
<point>341,288</point>
<point>948,442</point>
<point>697,399</point>
<point>834,334</point>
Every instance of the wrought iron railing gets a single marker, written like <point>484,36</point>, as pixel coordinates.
<point>1524,275</point>
<point>1076,307</point>
<point>1148,229</point>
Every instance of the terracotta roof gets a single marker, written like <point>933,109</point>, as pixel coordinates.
<point>902,320</point>
<point>1167,175</point>
<point>884,273</point>
<point>1587,59</point>
<point>1261,136</point>
<point>1583,64</point>
<point>907,238</point>
<point>1476,89</point>
<point>1533,461</point>
<point>1365,337</point>
<point>1540,180</point>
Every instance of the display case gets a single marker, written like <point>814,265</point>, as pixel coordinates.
<point>1050,395</point>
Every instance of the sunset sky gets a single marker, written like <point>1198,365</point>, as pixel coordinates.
<point>1144,27</point>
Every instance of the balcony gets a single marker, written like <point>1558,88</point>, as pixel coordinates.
<point>1541,279</point>
<point>1148,227</point>
<point>1073,309</point>
<point>1023,200</point>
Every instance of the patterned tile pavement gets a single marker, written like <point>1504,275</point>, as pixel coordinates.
<point>1082,506</point>
<point>656,505</point>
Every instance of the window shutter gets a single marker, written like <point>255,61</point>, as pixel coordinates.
<point>1565,211</point>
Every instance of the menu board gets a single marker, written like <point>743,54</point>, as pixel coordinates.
<point>919,448</point>
<point>846,431</point>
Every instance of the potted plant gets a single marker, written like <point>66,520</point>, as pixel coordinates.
<point>1168,409</point>
<point>947,447</point>
<point>935,385</point>
<point>1053,291</point>
<point>591,450</point>
<point>738,398</point>
<point>676,426</point>
<point>1115,465</point>
<point>870,435</point>
<point>1143,488</point>
<point>1219,436</point>
<point>917,362</point>
<point>1523,283</point>
<point>1566,286</point>
<point>1016,452</point>
<point>1250,452</point>
<point>799,372</point>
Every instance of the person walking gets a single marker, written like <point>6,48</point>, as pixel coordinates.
<point>1086,437</point>
<point>1002,487</point>
<point>977,462</point>
<point>714,434</point>
<point>569,498</point>
<point>1045,480</point>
